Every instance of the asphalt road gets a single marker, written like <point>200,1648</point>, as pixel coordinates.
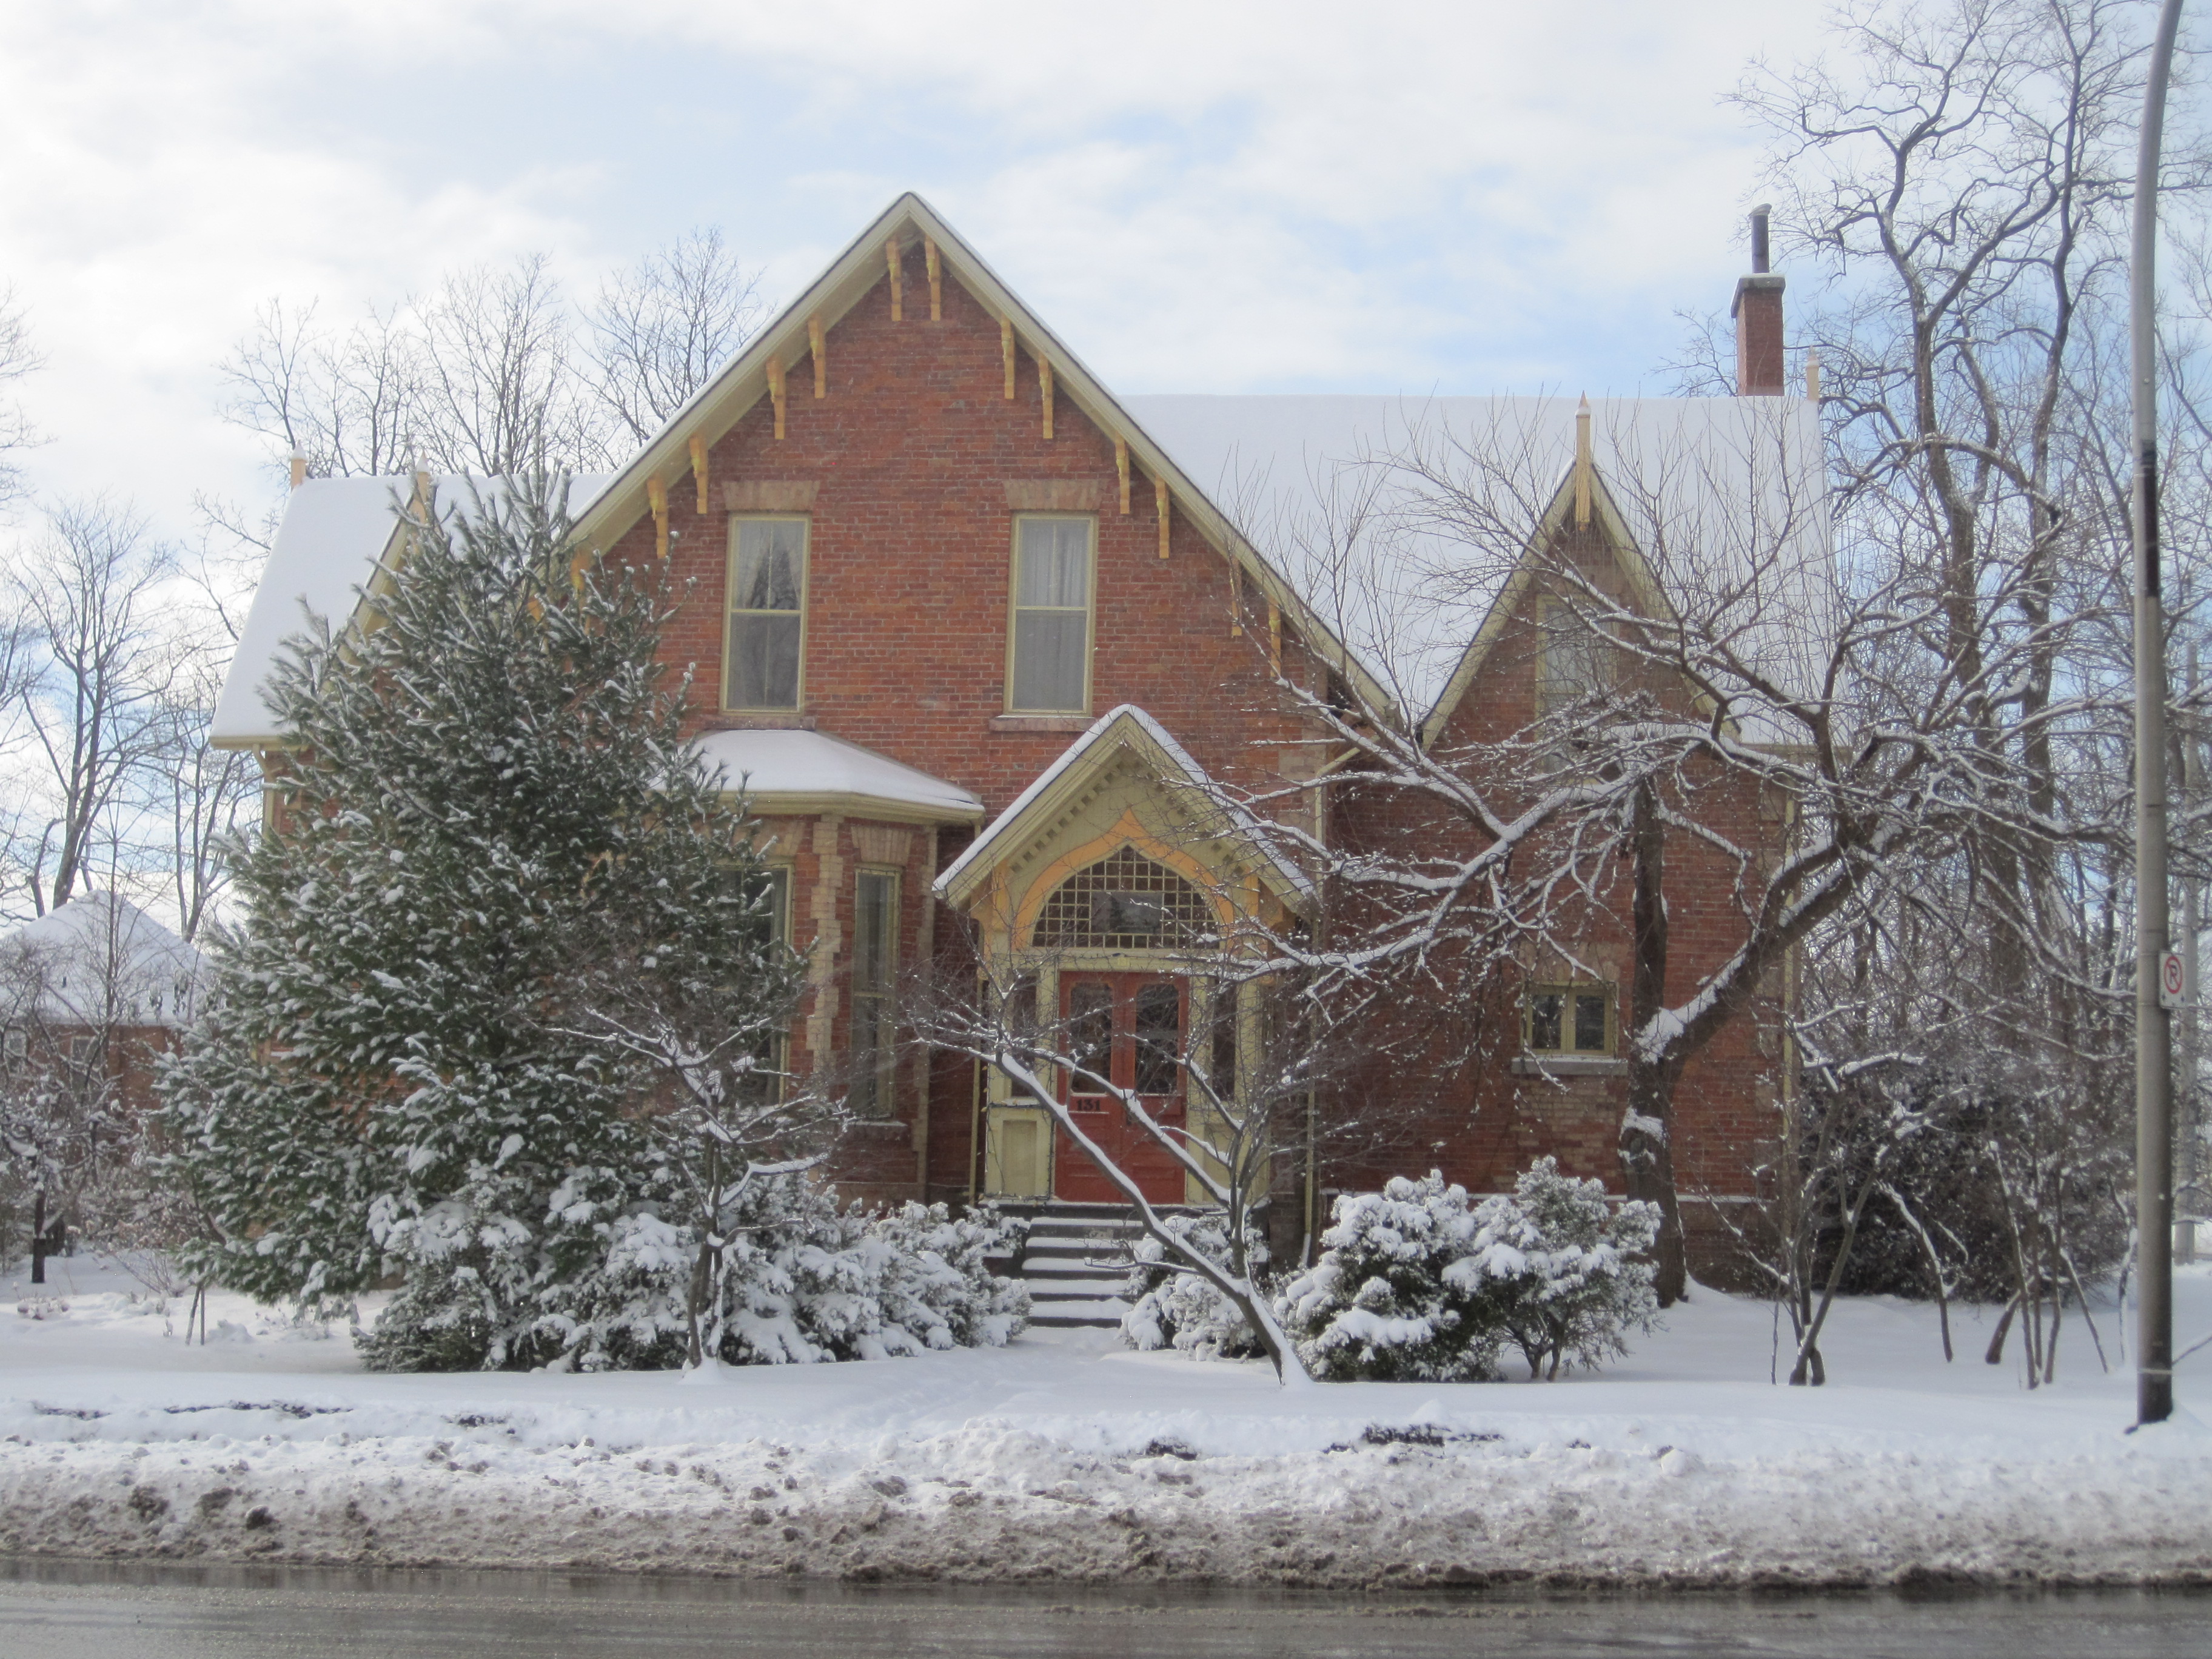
<point>61,1611</point>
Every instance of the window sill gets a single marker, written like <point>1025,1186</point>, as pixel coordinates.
<point>1569,1066</point>
<point>766,720</point>
<point>1068,723</point>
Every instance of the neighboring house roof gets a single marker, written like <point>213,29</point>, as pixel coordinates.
<point>798,772</point>
<point>1722,499</point>
<point>1125,727</point>
<point>98,960</point>
<point>336,535</point>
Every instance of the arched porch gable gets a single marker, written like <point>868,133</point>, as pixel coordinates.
<point>1125,783</point>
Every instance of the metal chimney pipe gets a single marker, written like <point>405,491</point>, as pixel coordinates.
<point>1758,237</point>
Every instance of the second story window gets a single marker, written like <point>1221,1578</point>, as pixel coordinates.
<point>1049,670</point>
<point>768,614</point>
<point>1575,661</point>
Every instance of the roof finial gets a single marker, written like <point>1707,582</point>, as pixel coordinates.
<point>1583,465</point>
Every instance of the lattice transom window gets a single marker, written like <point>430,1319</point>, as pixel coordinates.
<point>1125,902</point>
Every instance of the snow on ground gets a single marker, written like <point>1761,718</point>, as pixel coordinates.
<point>1066,1456</point>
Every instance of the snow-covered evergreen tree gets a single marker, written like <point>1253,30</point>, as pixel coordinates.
<point>1417,1283</point>
<point>492,838</point>
<point>795,1281</point>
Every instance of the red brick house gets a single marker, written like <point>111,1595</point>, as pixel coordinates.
<point>94,992</point>
<point>966,625</point>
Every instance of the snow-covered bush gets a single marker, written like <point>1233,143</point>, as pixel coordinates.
<point>1378,1303</point>
<point>801,1280</point>
<point>1559,1268</point>
<point>1415,1282</point>
<point>1171,1308</point>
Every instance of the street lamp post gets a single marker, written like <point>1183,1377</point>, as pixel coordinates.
<point>2154,1020</point>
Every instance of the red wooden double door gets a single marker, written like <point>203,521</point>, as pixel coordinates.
<point>1128,1029</point>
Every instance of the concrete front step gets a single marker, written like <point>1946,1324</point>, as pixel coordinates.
<point>1071,1315</point>
<point>1072,1262</point>
<point>1073,1290</point>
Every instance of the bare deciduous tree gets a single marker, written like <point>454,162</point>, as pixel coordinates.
<point>661,329</point>
<point>493,373</point>
<point>18,357</point>
<point>92,705</point>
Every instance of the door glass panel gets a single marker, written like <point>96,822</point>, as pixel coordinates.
<point>1159,1039</point>
<point>1089,1033</point>
<point>1223,1073</point>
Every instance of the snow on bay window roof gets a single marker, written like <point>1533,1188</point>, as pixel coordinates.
<point>786,770</point>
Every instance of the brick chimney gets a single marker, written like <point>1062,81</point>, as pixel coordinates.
<point>1758,313</point>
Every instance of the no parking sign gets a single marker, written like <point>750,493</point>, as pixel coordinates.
<point>2175,989</point>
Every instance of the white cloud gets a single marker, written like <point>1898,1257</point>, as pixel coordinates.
<point>1227,194</point>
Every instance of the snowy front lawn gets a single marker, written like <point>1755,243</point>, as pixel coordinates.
<point>1069,1456</point>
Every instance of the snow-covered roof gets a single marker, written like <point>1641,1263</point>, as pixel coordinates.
<point>1110,728</point>
<point>334,533</point>
<point>1724,497</point>
<point>791,771</point>
<point>99,959</point>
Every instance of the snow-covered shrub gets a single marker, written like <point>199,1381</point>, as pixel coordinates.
<point>801,1280</point>
<point>1416,1283</point>
<point>1172,1308</point>
<point>944,1277</point>
<point>1557,1268</point>
<point>1378,1305</point>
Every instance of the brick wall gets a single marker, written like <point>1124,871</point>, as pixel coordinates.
<point>910,564</point>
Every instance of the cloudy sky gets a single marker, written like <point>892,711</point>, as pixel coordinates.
<point>1398,195</point>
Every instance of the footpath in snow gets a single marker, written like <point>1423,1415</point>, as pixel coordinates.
<point>1066,1456</point>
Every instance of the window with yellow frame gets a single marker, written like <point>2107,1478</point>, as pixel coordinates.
<point>764,656</point>
<point>771,1050</point>
<point>1571,1020</point>
<point>1049,644</point>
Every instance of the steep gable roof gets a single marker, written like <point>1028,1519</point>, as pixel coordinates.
<point>722,402</point>
<point>1718,504</point>
<point>99,959</point>
<point>338,538</point>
